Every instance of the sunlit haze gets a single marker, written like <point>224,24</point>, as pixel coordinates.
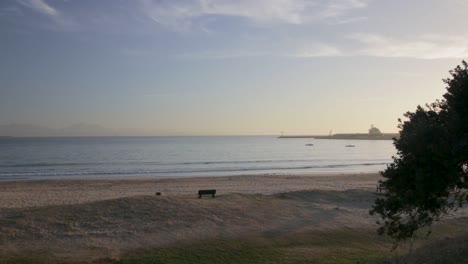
<point>222,67</point>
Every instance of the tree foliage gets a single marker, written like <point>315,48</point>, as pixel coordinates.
<point>429,176</point>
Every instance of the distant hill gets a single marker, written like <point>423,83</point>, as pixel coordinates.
<point>33,130</point>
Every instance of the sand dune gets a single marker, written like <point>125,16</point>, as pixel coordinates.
<point>104,228</point>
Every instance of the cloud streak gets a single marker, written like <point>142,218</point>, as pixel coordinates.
<point>183,15</point>
<point>318,50</point>
<point>422,47</point>
<point>61,22</point>
<point>353,45</point>
<point>429,46</point>
<point>338,8</point>
<point>40,6</point>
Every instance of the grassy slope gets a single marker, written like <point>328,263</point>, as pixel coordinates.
<point>339,246</point>
<point>447,244</point>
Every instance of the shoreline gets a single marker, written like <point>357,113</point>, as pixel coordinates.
<point>214,174</point>
<point>175,177</point>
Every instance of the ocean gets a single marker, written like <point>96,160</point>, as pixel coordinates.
<point>109,157</point>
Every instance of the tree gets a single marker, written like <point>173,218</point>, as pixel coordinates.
<point>429,176</point>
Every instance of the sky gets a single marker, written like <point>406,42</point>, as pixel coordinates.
<point>222,67</point>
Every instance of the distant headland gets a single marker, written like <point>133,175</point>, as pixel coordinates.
<point>374,134</point>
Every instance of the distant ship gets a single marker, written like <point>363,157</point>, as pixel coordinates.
<point>374,134</point>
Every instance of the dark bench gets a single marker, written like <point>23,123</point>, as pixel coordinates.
<point>380,188</point>
<point>202,192</point>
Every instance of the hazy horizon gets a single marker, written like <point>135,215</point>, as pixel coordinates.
<point>224,67</point>
<point>94,130</point>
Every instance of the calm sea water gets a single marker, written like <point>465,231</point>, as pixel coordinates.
<point>91,157</point>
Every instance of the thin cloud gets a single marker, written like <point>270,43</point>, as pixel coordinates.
<point>219,55</point>
<point>373,45</point>
<point>40,6</point>
<point>61,22</point>
<point>183,15</point>
<point>422,47</point>
<point>350,20</point>
<point>338,8</point>
<point>313,50</point>
<point>319,50</point>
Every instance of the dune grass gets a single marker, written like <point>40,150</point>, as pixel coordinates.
<point>338,246</point>
<point>29,257</point>
<point>448,243</point>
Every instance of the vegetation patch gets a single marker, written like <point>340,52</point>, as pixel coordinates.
<point>338,246</point>
<point>448,243</point>
<point>27,257</point>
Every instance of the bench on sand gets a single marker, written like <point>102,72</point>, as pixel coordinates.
<point>202,192</point>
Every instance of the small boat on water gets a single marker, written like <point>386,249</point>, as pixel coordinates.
<point>310,145</point>
<point>350,146</point>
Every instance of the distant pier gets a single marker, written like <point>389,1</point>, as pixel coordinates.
<point>384,136</point>
<point>374,134</point>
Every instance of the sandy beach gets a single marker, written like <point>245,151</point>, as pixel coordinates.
<point>92,219</point>
<point>33,193</point>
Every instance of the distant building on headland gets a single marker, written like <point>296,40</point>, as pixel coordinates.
<point>374,134</point>
<point>374,131</point>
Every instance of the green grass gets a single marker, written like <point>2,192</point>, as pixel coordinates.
<point>342,246</point>
<point>27,257</point>
<point>220,251</point>
<point>325,247</point>
<point>448,244</point>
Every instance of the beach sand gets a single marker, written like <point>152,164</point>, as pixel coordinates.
<point>33,193</point>
<point>92,219</point>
